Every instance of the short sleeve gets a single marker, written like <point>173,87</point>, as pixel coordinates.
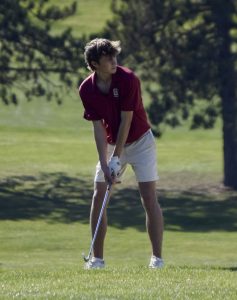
<point>131,95</point>
<point>89,113</point>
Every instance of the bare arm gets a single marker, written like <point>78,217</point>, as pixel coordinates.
<point>101,144</point>
<point>101,141</point>
<point>126,119</point>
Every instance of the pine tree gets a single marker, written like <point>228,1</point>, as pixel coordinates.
<point>30,53</point>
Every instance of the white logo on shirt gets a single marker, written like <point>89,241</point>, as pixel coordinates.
<point>115,93</point>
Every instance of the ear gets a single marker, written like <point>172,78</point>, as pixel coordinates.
<point>94,64</point>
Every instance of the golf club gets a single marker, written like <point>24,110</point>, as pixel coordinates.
<point>106,197</point>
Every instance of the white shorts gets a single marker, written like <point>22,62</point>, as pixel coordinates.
<point>141,155</point>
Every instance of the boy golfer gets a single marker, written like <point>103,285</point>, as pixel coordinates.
<point>111,96</point>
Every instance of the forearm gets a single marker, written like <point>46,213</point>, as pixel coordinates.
<point>126,119</point>
<point>101,142</point>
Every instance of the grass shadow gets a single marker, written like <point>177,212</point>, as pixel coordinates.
<point>204,267</point>
<point>195,211</point>
<point>53,196</point>
<point>58,197</point>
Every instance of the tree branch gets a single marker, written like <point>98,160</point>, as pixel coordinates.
<point>53,70</point>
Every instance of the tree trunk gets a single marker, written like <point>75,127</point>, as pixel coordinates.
<point>229,112</point>
<point>229,99</point>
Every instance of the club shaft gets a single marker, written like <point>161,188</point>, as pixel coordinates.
<point>106,197</point>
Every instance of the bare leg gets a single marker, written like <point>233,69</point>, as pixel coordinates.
<point>154,218</point>
<point>98,197</point>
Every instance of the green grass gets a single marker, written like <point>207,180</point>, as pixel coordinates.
<point>40,138</point>
<point>119,284</point>
<point>90,17</point>
<point>43,261</point>
<point>47,160</point>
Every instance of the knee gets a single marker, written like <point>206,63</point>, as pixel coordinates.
<point>151,204</point>
<point>98,197</point>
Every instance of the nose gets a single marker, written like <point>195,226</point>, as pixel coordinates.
<point>114,60</point>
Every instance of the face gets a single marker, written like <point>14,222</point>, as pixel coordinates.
<point>107,64</point>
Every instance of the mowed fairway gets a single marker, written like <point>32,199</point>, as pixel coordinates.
<point>47,160</point>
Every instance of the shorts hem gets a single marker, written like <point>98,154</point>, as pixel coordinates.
<point>147,180</point>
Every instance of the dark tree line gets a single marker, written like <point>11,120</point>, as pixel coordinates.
<point>185,52</point>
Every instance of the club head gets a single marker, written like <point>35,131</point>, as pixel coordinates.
<point>86,258</point>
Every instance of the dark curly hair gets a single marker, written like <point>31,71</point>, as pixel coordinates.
<point>99,47</point>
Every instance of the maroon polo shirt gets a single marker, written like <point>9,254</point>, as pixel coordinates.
<point>124,95</point>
